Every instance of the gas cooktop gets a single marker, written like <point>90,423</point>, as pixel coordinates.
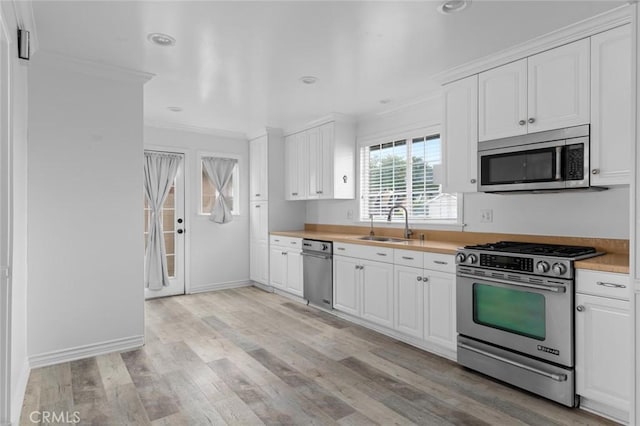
<point>551,250</point>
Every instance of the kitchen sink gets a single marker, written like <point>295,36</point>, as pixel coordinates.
<point>382,239</point>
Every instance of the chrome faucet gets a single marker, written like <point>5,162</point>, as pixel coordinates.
<point>407,232</point>
<point>371,233</point>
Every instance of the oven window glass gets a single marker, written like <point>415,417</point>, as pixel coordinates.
<point>519,167</point>
<point>515,311</point>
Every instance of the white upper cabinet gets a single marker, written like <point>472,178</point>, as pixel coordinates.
<point>559,87</point>
<point>611,106</point>
<point>296,152</point>
<point>320,162</point>
<point>546,91</point>
<point>258,159</point>
<point>460,135</point>
<point>502,98</point>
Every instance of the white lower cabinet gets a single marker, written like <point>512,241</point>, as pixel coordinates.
<point>603,343</point>
<point>425,305</point>
<point>346,285</point>
<point>259,263</point>
<point>285,261</point>
<point>377,292</point>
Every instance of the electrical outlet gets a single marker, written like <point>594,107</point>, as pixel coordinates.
<point>486,216</point>
<point>350,214</point>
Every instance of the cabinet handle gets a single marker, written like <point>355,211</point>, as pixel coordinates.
<point>283,253</point>
<point>595,171</point>
<point>440,262</point>
<point>318,192</point>
<point>257,195</point>
<point>293,242</point>
<point>407,258</point>
<point>381,254</point>
<point>472,181</point>
<point>294,193</point>
<point>425,279</point>
<point>532,120</point>
<point>419,278</point>
<point>276,241</point>
<point>522,122</point>
<point>612,285</point>
<point>340,248</point>
<point>580,308</point>
<point>258,206</point>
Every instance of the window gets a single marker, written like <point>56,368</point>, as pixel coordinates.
<point>402,172</point>
<point>208,192</point>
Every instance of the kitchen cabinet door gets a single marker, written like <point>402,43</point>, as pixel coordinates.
<point>558,87</point>
<point>314,183</point>
<point>259,262</point>
<point>502,101</point>
<point>460,136</point>
<point>346,285</point>
<point>293,279</point>
<point>440,309</point>
<point>377,292</point>
<point>296,165</point>
<point>258,163</point>
<point>408,300</point>
<point>259,221</point>
<point>603,351</point>
<point>611,107</point>
<point>277,267</point>
<point>326,168</point>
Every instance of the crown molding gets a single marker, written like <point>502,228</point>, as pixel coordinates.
<point>265,131</point>
<point>167,125</point>
<point>586,28</point>
<point>86,66</point>
<point>334,116</point>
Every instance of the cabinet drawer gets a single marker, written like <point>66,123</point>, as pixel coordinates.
<point>408,258</point>
<point>604,284</point>
<point>286,242</point>
<point>380,254</point>
<point>440,262</point>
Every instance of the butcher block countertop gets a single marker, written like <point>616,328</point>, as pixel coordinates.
<point>615,259</point>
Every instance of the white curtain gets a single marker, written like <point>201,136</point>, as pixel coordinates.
<point>220,171</point>
<point>159,173</point>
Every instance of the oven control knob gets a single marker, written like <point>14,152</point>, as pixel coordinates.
<point>559,269</point>
<point>472,258</point>
<point>460,257</point>
<point>542,266</point>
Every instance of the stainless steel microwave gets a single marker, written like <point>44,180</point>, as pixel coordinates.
<point>552,160</point>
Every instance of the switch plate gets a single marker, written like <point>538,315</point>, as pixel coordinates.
<point>350,214</point>
<point>486,216</point>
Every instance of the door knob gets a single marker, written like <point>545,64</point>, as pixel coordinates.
<point>472,181</point>
<point>580,308</point>
<point>595,171</point>
<point>180,220</point>
<point>419,278</point>
<point>522,122</point>
<point>532,120</point>
<point>180,231</point>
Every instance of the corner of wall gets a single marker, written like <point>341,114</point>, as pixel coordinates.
<point>19,392</point>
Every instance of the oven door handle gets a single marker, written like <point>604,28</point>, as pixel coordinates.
<point>553,289</point>
<point>553,376</point>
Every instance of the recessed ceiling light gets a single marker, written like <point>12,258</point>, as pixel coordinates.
<point>160,39</point>
<point>174,109</point>
<point>385,101</point>
<point>308,79</point>
<point>453,6</point>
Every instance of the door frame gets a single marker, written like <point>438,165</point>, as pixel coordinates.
<point>187,171</point>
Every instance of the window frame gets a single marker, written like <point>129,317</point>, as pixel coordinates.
<point>235,210</point>
<point>408,135</point>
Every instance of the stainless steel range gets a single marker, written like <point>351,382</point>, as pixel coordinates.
<point>515,314</point>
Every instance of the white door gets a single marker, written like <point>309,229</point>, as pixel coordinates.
<point>315,163</point>
<point>603,350</point>
<point>377,292</point>
<point>173,225</point>
<point>502,101</point>
<point>277,266</point>
<point>258,151</point>
<point>409,303</point>
<point>440,309</point>
<point>259,221</point>
<point>325,171</point>
<point>293,280</point>
<point>346,283</point>
<point>559,87</point>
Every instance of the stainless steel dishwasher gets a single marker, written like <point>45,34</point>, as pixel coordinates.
<point>318,272</point>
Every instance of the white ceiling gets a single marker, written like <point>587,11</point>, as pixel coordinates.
<point>236,65</point>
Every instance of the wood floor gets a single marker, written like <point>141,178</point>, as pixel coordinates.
<point>247,357</point>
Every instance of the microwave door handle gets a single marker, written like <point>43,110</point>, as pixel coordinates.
<point>559,163</point>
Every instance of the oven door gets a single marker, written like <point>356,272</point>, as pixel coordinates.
<point>522,313</point>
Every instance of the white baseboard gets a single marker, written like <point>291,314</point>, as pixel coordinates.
<point>219,286</point>
<point>19,392</point>
<point>604,410</point>
<point>263,287</point>
<point>86,351</point>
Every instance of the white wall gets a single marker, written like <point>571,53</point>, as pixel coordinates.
<point>592,214</point>
<point>85,246</point>
<point>219,253</point>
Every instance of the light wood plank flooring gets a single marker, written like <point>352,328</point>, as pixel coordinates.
<point>247,357</point>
